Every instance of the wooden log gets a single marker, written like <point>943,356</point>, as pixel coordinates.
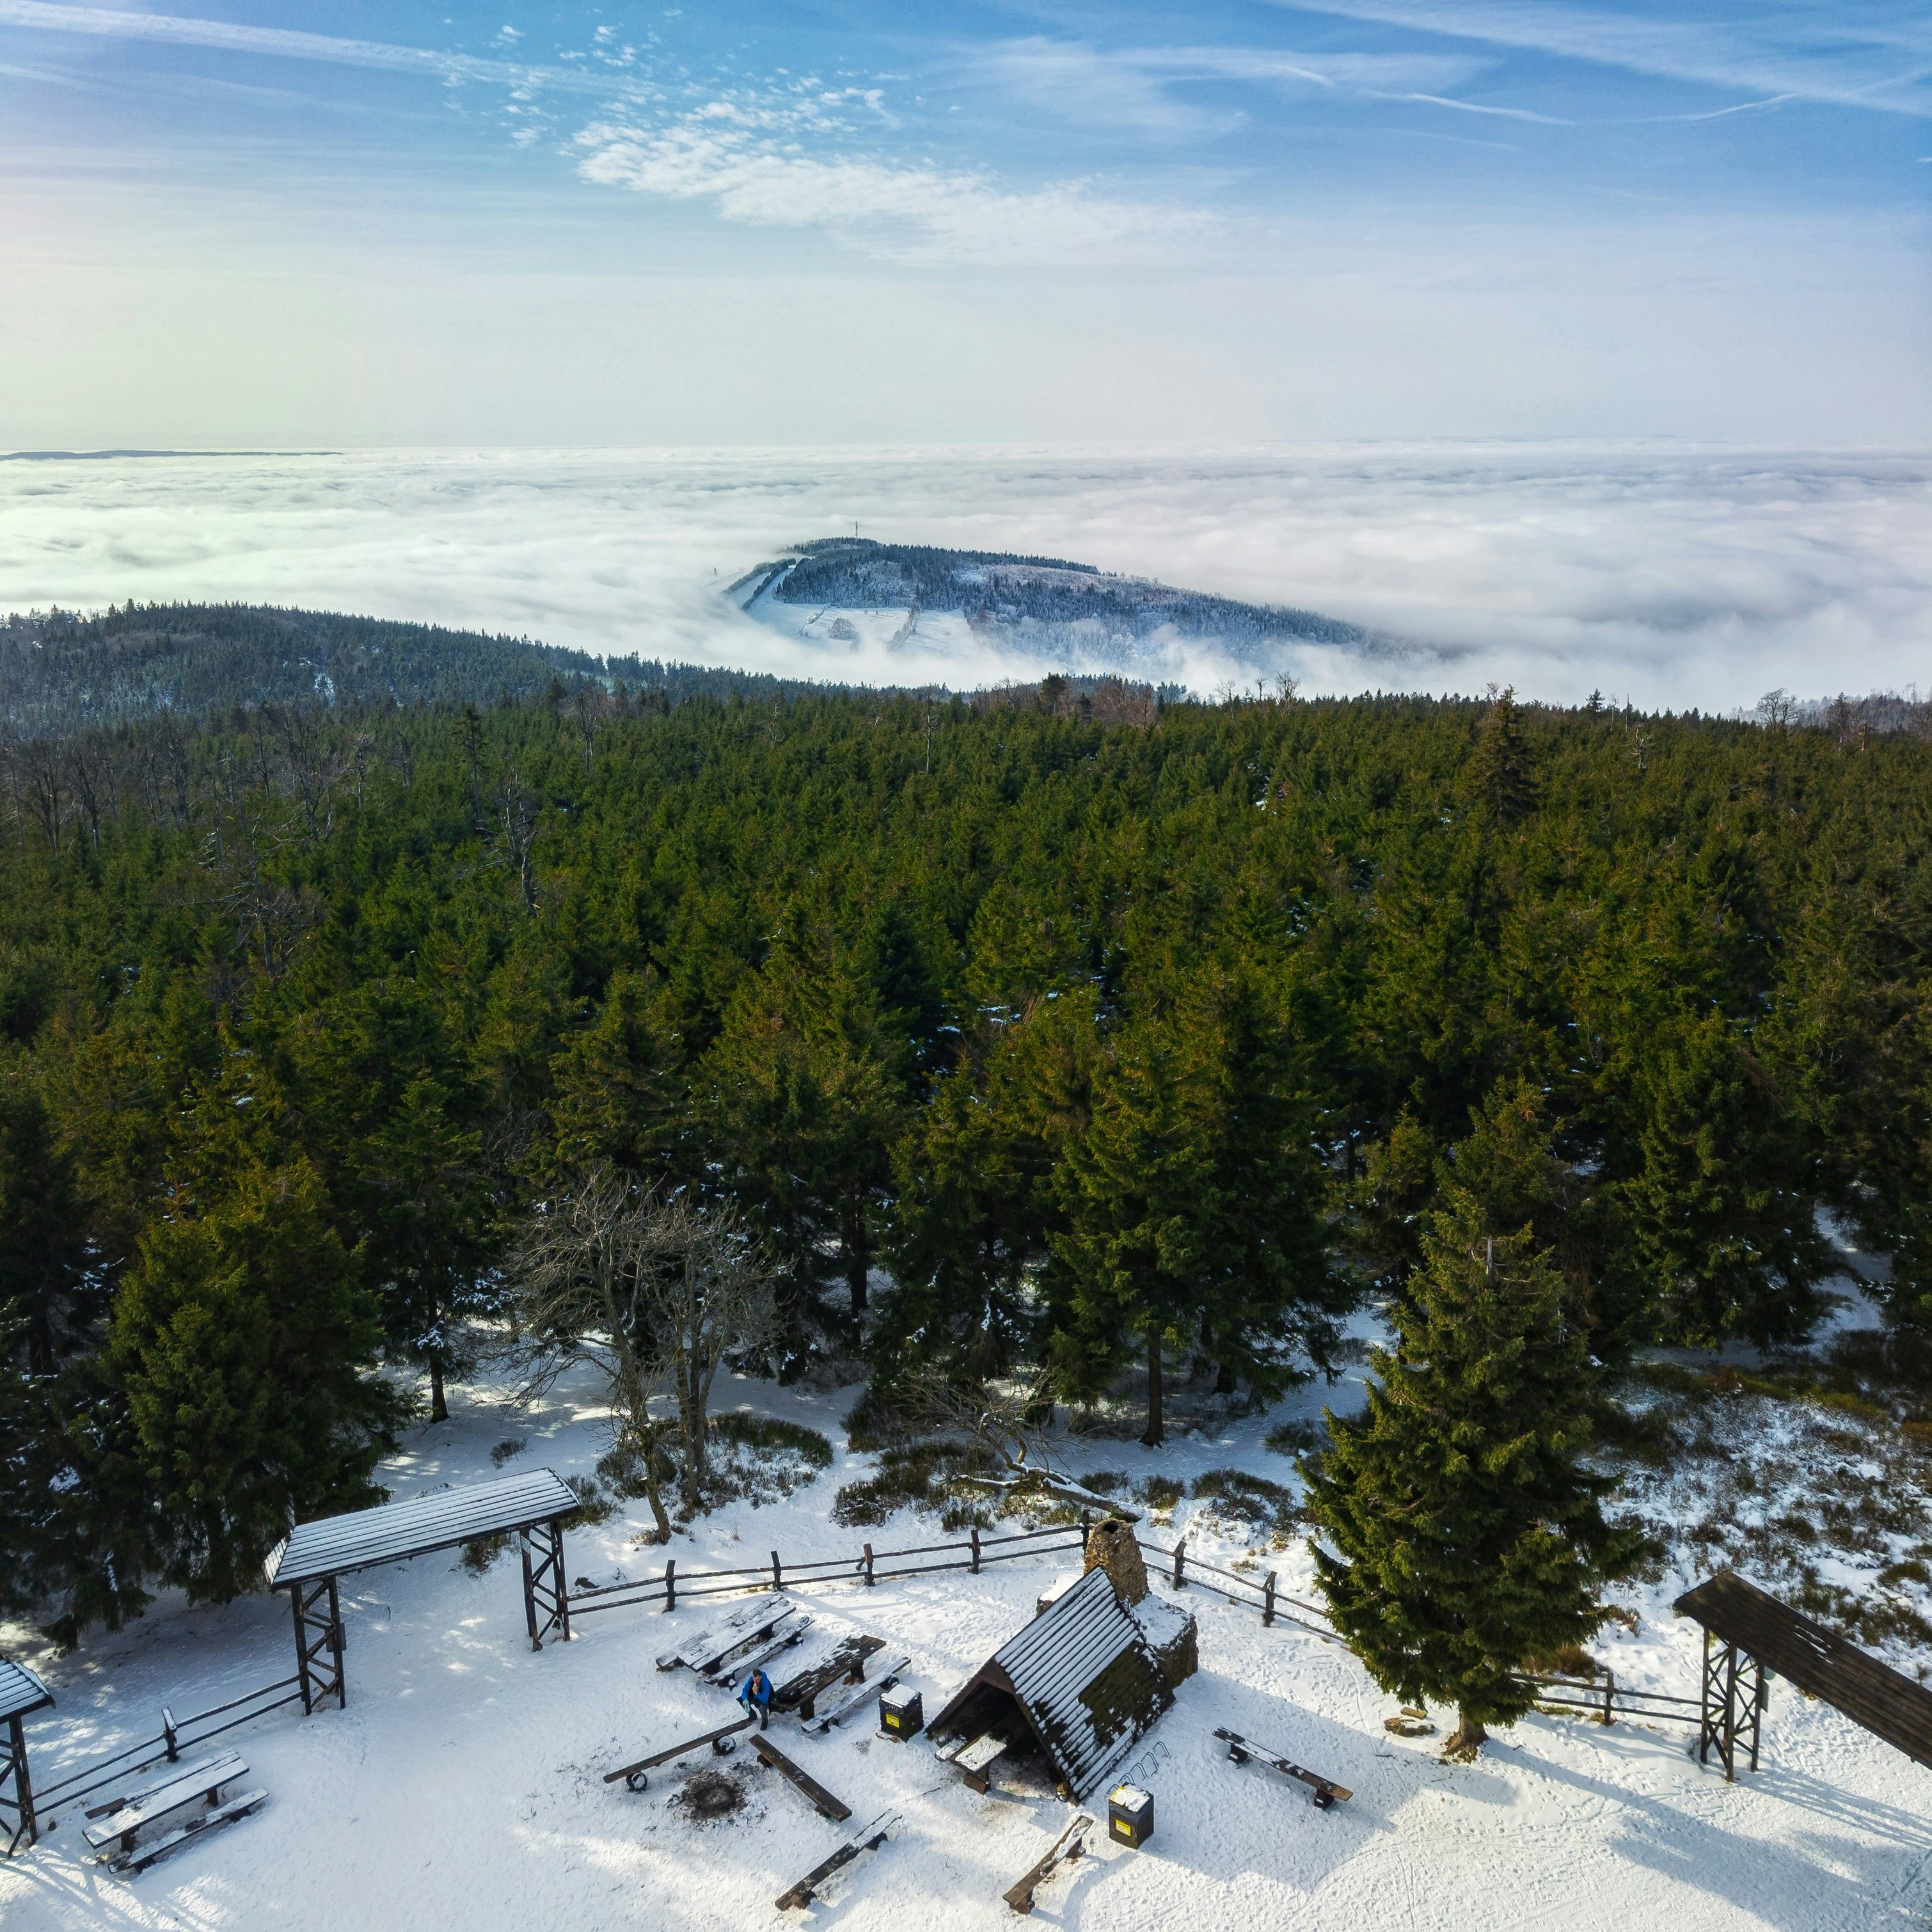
<point>1020,1896</point>
<point>842,1861</point>
<point>822,1800</point>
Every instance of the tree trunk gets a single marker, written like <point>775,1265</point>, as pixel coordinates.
<point>692,1423</point>
<point>1224,1378</point>
<point>438,1408</point>
<point>653,1493</point>
<point>1157,1426</point>
<point>1466,1740</point>
<point>857,1260</point>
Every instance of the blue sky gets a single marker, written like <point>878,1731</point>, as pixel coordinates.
<point>745,222</point>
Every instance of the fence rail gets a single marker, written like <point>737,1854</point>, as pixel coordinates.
<point>1266,1596</point>
<point>165,1746</point>
<point>1607,1701</point>
<point>868,1567</point>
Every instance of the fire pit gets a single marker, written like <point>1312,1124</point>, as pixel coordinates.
<point>712,1794</point>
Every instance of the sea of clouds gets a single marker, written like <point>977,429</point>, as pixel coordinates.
<point>1671,576</point>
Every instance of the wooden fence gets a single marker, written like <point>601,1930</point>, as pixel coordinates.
<point>177,1735</point>
<point>972,1553</point>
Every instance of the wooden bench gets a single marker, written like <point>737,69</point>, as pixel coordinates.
<point>120,1823</point>
<point>634,1774</point>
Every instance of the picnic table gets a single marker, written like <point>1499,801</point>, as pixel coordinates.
<point>115,1832</point>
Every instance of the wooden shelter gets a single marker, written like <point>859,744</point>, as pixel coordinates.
<point>21,1693</point>
<point>1082,1679</point>
<point>307,1561</point>
<point>1747,1634</point>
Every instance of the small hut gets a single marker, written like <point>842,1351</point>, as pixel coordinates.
<point>1083,1683</point>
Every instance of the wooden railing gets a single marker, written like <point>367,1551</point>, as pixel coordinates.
<point>868,1567</point>
<point>177,1735</point>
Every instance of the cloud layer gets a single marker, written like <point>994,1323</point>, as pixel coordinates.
<point>1676,577</point>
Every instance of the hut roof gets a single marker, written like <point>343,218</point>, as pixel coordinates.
<point>1083,1672</point>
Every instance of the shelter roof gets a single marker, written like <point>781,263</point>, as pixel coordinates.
<point>333,1545</point>
<point>20,1690</point>
<point>1084,1674</point>
<point>1889,1704</point>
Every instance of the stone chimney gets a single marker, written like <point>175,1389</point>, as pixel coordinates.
<point>1110,1546</point>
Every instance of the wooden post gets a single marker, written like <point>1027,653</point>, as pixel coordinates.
<point>562,1580</point>
<point>778,1572</point>
<point>338,1641</point>
<point>1268,1598</point>
<point>1609,1696</point>
<point>29,1826</point>
<point>168,1734</point>
<point>670,1584</point>
<point>869,1566</point>
<point>1180,1558</point>
<point>974,1565</point>
<point>301,1653</point>
<point>1085,1524</point>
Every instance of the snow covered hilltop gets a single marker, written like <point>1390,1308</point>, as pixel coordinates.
<point>853,591</point>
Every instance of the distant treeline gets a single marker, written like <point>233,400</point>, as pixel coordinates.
<point>1028,1040</point>
<point>60,672</point>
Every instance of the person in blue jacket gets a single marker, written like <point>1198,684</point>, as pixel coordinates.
<point>756,1696</point>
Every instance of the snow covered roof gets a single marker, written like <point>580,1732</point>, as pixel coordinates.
<point>20,1690</point>
<point>333,1545</point>
<point>1083,1673</point>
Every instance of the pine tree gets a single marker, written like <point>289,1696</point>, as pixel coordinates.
<point>241,1338</point>
<point>1501,778</point>
<point>1464,1537</point>
<point>1195,1203</point>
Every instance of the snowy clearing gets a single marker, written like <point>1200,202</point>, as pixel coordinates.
<point>465,1778</point>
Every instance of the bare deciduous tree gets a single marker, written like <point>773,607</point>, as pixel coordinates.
<point>653,1292</point>
<point>1008,1427</point>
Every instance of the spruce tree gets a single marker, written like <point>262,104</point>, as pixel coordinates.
<point>1502,777</point>
<point>241,1338</point>
<point>1195,1203</point>
<point>1464,1535</point>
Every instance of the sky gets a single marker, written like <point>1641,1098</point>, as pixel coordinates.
<point>309,223</point>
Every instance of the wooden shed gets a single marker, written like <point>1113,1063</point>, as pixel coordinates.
<point>1081,1682</point>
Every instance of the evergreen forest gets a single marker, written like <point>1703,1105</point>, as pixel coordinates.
<point>1115,1054</point>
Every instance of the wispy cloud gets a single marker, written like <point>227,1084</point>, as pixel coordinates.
<point>919,214</point>
<point>1145,88</point>
<point>1840,51</point>
<point>286,43</point>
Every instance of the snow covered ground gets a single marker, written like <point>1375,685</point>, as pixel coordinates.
<point>463,1785</point>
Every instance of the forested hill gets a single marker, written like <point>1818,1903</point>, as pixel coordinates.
<point>60,672</point>
<point>1120,1047</point>
<point>993,588</point>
